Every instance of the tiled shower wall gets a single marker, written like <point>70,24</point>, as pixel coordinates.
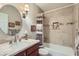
<point>64,35</point>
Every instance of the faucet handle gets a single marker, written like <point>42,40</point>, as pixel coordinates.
<point>10,42</point>
<point>16,36</point>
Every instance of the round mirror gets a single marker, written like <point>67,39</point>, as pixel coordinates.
<point>10,20</point>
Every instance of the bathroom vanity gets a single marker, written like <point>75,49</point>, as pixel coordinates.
<point>28,47</point>
<point>31,51</point>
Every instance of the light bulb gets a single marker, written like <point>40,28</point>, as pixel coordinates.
<point>26,7</point>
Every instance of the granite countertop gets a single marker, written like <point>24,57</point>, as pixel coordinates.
<point>7,49</point>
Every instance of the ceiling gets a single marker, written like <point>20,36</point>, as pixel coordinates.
<point>50,6</point>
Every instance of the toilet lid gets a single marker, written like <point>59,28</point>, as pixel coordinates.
<point>43,51</point>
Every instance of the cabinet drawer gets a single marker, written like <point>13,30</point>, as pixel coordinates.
<point>32,49</point>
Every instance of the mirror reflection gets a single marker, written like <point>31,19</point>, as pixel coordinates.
<point>10,20</point>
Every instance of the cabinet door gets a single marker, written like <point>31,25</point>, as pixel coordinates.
<point>35,53</point>
<point>33,50</point>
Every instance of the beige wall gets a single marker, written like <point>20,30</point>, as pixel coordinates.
<point>65,34</point>
<point>31,20</point>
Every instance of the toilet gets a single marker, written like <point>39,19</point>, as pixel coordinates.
<point>43,52</point>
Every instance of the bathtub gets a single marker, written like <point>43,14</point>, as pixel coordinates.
<point>59,50</point>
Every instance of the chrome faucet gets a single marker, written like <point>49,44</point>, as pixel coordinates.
<point>15,39</point>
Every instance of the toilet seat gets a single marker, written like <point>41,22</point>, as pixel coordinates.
<point>43,52</point>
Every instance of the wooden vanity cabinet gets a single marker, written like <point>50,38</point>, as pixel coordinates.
<point>31,51</point>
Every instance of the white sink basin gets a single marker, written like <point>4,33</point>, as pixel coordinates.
<point>23,43</point>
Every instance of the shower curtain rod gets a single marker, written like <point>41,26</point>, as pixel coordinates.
<point>46,12</point>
